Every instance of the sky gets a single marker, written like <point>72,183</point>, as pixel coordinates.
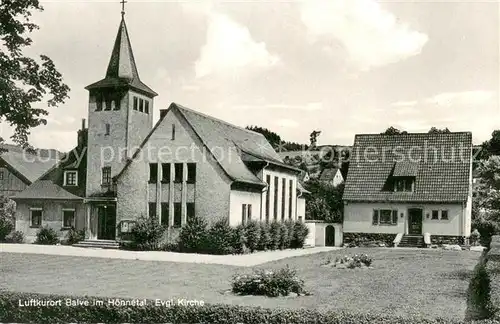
<point>342,67</point>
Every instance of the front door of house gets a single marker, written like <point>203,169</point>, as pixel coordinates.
<point>106,216</point>
<point>330,236</point>
<point>415,221</point>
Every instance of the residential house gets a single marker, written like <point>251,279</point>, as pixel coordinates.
<point>410,184</point>
<point>332,176</point>
<point>188,164</point>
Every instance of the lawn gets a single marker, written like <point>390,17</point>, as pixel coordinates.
<point>426,283</point>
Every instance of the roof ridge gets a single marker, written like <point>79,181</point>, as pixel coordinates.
<point>403,134</point>
<point>216,119</point>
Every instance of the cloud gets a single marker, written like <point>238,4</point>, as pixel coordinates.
<point>404,103</point>
<point>311,106</point>
<point>372,36</point>
<point>230,47</point>
<point>461,98</point>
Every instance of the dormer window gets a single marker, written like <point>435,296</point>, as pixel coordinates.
<point>71,178</point>
<point>403,176</point>
<point>404,184</point>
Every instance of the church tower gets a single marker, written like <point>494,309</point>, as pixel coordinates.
<point>120,116</point>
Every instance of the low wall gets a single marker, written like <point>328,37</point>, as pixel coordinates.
<point>493,270</point>
<point>317,233</point>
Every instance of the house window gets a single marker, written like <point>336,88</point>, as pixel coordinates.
<point>141,105</point>
<point>1,174</point>
<point>108,128</point>
<point>117,104</point>
<point>153,172</point>
<point>385,217</point>
<point>68,218</point>
<point>70,178</point>
<point>444,215</point>
<point>243,214</point>
<point>164,214</point>
<point>152,209</point>
<point>178,172</point>
<point>177,214</point>
<point>106,175</point>
<point>146,106</point>
<point>98,103</point>
<point>136,103</point>
<point>249,212</point>
<point>283,198</point>
<point>108,104</point>
<point>290,201</point>
<point>189,211</point>
<point>165,172</point>
<point>435,214</point>
<point>36,217</point>
<point>191,170</point>
<point>268,194</point>
<point>276,184</point>
<point>403,185</point>
<point>173,132</point>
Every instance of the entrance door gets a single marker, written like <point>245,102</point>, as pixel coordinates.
<point>106,222</point>
<point>330,236</point>
<point>415,221</point>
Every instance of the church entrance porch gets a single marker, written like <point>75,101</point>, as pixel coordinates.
<point>101,219</point>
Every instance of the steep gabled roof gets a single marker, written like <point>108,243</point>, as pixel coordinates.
<point>227,143</point>
<point>328,174</point>
<point>26,166</point>
<point>45,189</point>
<point>441,164</point>
<point>122,69</point>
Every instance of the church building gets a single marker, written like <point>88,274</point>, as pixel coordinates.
<point>186,164</point>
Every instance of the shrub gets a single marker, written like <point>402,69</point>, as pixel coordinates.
<point>15,237</point>
<point>146,234</point>
<point>274,231</point>
<point>46,236</point>
<point>6,227</point>
<point>193,236</point>
<point>486,229</point>
<point>356,261</point>
<point>252,233</point>
<point>239,240</point>
<point>290,229</point>
<point>220,237</point>
<point>74,236</point>
<point>478,297</point>
<point>268,283</point>
<point>475,237</point>
<point>284,237</point>
<point>265,237</point>
<point>300,231</point>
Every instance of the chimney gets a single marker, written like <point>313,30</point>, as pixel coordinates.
<point>163,112</point>
<point>82,135</point>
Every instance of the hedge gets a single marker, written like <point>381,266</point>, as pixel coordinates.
<point>10,311</point>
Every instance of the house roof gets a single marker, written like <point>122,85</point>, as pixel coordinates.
<point>27,166</point>
<point>441,164</point>
<point>45,189</point>
<point>229,144</point>
<point>328,174</point>
<point>122,69</point>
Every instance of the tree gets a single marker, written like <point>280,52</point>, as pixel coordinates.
<point>25,81</point>
<point>393,131</point>
<point>435,130</point>
<point>314,138</point>
<point>490,147</point>
<point>273,138</point>
<point>324,201</point>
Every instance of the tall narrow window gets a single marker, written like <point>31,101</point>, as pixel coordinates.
<point>108,104</point>
<point>268,194</point>
<point>107,129</point>
<point>191,169</point>
<point>136,103</point>
<point>173,132</point>
<point>290,199</point>
<point>375,217</point>
<point>165,172</point>
<point>249,212</point>
<point>146,106</point>
<point>153,172</point>
<point>141,105</point>
<point>243,214</point>
<point>178,172</point>
<point>106,175</point>
<point>276,185</point>
<point>190,211</point>
<point>35,217</point>
<point>283,198</point>
<point>68,218</point>
<point>177,215</point>
<point>98,102</point>
<point>152,209</point>
<point>164,214</point>
<point>1,174</point>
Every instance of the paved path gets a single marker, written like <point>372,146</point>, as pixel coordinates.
<point>244,260</point>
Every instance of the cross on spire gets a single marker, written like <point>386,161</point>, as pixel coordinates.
<point>123,2</point>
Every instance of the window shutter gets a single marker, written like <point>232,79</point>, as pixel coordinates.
<point>394,216</point>
<point>375,217</point>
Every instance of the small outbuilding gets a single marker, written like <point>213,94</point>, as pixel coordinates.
<point>322,233</point>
